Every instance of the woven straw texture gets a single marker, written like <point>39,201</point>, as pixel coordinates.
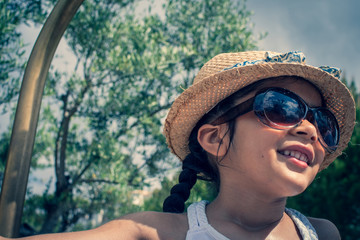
<point>212,85</point>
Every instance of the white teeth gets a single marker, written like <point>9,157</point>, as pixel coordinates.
<point>296,154</point>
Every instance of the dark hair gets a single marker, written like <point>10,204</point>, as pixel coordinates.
<point>197,165</point>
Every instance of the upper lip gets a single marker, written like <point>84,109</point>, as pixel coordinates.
<point>302,149</point>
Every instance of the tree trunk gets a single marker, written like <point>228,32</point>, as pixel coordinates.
<point>53,214</point>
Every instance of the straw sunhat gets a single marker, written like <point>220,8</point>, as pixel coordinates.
<point>227,73</point>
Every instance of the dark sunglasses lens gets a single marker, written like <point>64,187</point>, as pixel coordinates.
<point>283,110</point>
<point>328,127</point>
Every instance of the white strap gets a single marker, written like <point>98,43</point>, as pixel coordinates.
<point>307,231</point>
<point>196,215</point>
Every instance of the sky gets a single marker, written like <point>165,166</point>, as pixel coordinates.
<point>326,31</point>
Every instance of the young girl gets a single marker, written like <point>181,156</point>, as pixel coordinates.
<point>261,125</point>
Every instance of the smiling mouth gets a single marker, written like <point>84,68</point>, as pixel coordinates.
<point>296,154</point>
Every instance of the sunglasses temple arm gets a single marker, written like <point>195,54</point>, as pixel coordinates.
<point>235,112</point>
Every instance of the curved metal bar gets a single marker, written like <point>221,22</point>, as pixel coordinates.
<point>27,114</point>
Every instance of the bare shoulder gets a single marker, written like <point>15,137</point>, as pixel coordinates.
<point>325,228</point>
<point>159,225</point>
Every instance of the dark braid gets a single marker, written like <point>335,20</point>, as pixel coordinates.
<point>197,165</point>
<point>175,203</point>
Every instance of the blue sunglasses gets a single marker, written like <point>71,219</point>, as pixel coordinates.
<point>282,109</point>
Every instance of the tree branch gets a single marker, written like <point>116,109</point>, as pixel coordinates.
<point>59,172</point>
<point>62,137</point>
<point>77,178</point>
<point>160,108</point>
<point>97,181</point>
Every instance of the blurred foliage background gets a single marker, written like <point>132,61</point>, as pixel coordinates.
<point>100,127</point>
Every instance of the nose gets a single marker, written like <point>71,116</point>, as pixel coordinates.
<point>306,130</point>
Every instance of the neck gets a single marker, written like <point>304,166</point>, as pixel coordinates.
<point>248,210</point>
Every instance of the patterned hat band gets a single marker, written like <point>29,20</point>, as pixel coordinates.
<point>289,57</point>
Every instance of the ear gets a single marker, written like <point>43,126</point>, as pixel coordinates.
<point>212,140</point>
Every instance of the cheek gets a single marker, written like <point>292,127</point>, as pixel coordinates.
<point>255,141</point>
<point>320,153</point>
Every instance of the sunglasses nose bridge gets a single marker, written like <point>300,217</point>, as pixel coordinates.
<point>310,116</point>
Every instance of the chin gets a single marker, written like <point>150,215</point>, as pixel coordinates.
<point>300,181</point>
<point>298,187</point>
<point>296,192</point>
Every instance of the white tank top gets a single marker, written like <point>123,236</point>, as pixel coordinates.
<point>199,227</point>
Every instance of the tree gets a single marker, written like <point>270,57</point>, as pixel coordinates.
<point>100,125</point>
<point>335,192</point>
<point>203,29</point>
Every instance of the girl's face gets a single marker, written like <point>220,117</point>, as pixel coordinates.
<point>271,160</point>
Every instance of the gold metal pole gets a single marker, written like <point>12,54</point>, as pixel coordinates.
<point>27,114</point>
